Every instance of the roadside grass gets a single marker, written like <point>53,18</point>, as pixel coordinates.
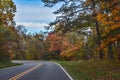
<point>4,64</point>
<point>92,70</point>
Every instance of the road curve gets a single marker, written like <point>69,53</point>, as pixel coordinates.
<point>34,70</point>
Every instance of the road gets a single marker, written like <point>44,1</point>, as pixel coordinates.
<point>34,70</point>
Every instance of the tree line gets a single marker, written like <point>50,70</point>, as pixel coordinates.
<point>83,29</point>
<point>15,43</point>
<point>94,23</point>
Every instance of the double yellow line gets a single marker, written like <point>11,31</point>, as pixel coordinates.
<point>24,73</point>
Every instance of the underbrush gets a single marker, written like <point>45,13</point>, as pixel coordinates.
<point>92,70</point>
<point>4,64</point>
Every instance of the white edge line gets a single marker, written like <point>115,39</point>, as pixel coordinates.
<point>64,71</point>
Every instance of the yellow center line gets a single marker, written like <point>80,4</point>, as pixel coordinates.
<point>24,73</point>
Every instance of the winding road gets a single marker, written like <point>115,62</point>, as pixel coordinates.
<point>34,70</point>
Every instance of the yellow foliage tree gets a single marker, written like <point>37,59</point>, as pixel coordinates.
<point>110,19</point>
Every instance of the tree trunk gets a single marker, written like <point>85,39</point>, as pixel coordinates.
<point>101,56</point>
<point>110,52</point>
<point>118,49</point>
<point>99,39</point>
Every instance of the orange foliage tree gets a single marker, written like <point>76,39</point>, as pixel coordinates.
<point>54,42</point>
<point>61,45</point>
<point>110,19</point>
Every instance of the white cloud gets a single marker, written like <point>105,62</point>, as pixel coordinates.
<point>33,26</point>
<point>34,13</point>
<point>34,17</point>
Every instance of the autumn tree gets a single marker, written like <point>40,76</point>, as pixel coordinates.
<point>7,29</point>
<point>109,18</point>
<point>101,16</point>
<point>75,14</point>
<point>54,42</point>
<point>36,47</point>
<point>7,10</point>
<point>29,46</point>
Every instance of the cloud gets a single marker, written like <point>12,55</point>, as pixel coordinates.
<point>34,13</point>
<point>33,26</point>
<point>33,18</point>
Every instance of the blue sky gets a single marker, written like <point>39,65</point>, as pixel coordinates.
<point>33,15</point>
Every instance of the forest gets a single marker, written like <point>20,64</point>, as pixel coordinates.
<point>83,30</point>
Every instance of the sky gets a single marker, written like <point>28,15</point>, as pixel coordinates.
<point>33,15</point>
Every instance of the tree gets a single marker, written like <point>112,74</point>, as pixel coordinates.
<point>7,30</point>
<point>77,14</point>
<point>109,18</point>
<point>7,10</point>
<point>101,16</point>
<point>8,40</point>
<point>54,43</point>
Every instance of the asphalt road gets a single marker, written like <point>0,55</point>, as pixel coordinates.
<point>34,70</point>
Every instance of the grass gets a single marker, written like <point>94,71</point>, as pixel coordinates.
<point>4,64</point>
<point>92,70</point>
